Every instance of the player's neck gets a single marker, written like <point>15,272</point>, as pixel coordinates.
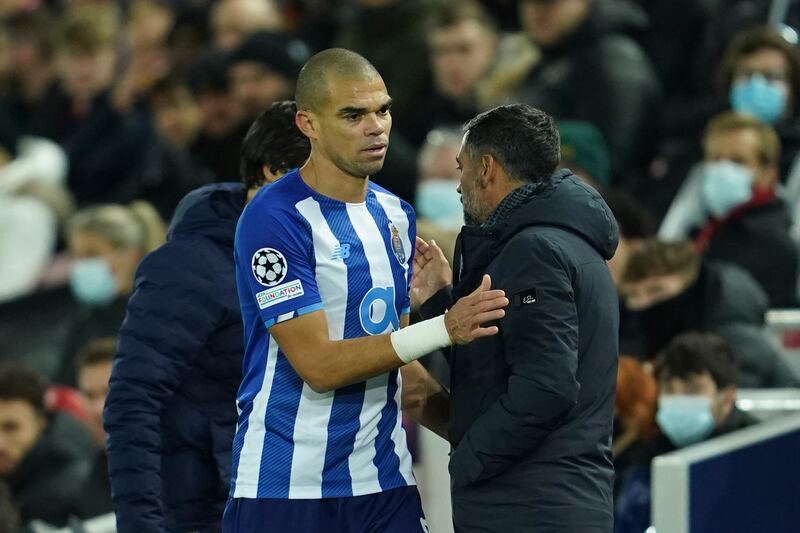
<point>327,179</point>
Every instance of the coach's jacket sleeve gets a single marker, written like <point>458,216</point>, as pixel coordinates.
<point>438,303</point>
<point>540,334</point>
<point>170,315</point>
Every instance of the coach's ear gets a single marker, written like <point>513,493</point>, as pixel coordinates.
<point>306,122</point>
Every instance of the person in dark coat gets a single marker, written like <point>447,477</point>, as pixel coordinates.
<point>93,370</point>
<point>530,409</point>
<point>696,376</point>
<point>585,52</point>
<point>44,456</point>
<point>669,290</point>
<point>170,413</point>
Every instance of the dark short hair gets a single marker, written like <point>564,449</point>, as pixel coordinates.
<point>95,352</point>
<point>660,258</point>
<point>167,89</point>
<point>18,382</point>
<point>33,27</point>
<point>634,221</point>
<point>450,14</point>
<point>275,141</point>
<point>697,353</point>
<point>278,51</point>
<point>209,73</point>
<point>523,139</point>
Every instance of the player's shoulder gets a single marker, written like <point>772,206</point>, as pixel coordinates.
<point>274,207</point>
<point>384,194</point>
<point>276,201</point>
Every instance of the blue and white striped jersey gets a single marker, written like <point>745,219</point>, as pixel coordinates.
<point>297,252</point>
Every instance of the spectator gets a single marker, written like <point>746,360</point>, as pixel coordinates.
<point>263,70</point>
<point>671,291</point>
<point>146,30</point>
<point>463,43</point>
<point>391,35</point>
<point>634,414</point>
<point>189,37</point>
<point>233,21</point>
<point>170,412</point>
<point>440,214</point>
<point>737,214</point>
<point>93,369</point>
<point>107,244</point>
<point>32,68</point>
<point>696,376</point>
<point>178,116</point>
<point>585,153</point>
<point>590,71</point>
<point>106,148</point>
<point>760,75</point>
<point>223,128</point>
<point>636,226</point>
<point>41,467</point>
<point>33,204</point>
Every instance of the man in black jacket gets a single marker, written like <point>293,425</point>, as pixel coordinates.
<point>531,408</point>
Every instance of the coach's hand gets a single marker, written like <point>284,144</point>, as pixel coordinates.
<point>431,272</point>
<point>464,319</point>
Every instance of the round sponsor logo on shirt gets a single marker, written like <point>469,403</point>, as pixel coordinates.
<point>269,266</point>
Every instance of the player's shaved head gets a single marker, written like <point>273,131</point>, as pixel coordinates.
<point>312,88</point>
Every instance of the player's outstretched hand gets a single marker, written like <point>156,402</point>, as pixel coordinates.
<point>431,272</point>
<point>464,319</point>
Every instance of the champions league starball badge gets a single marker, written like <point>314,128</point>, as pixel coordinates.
<point>269,266</point>
<point>397,244</point>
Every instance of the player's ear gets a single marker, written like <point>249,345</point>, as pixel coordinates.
<point>306,122</point>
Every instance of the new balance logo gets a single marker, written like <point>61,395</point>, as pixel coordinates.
<point>341,251</point>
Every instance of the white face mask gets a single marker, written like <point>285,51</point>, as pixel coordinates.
<point>439,201</point>
<point>685,419</point>
<point>92,282</point>
<point>726,185</point>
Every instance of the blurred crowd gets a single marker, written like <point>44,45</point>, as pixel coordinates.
<point>684,114</point>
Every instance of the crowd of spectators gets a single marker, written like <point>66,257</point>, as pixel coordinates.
<point>684,114</point>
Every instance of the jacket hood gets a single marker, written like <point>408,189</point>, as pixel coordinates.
<point>569,203</point>
<point>211,211</point>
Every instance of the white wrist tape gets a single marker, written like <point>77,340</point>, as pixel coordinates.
<point>412,342</point>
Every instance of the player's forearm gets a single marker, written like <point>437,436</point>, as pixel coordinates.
<point>349,361</point>
<point>435,412</point>
<point>424,399</point>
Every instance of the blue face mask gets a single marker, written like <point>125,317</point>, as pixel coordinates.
<point>759,98</point>
<point>91,282</point>
<point>439,201</point>
<point>685,420</point>
<point>726,185</point>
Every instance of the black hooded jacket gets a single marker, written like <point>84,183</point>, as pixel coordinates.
<point>531,408</point>
<point>170,412</point>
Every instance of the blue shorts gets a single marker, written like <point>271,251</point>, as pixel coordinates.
<point>394,511</point>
